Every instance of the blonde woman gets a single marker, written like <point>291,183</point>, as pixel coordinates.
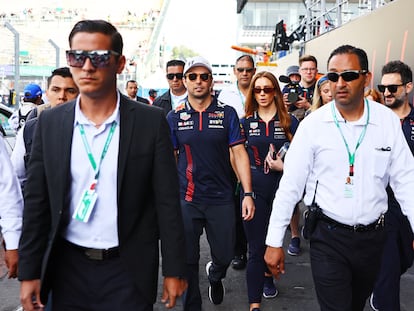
<point>373,94</point>
<point>321,95</point>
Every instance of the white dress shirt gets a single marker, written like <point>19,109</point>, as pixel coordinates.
<point>318,153</point>
<point>17,157</point>
<point>11,206</point>
<point>232,96</point>
<point>101,231</point>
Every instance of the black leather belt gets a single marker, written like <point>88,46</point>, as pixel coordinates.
<point>95,253</point>
<point>356,228</point>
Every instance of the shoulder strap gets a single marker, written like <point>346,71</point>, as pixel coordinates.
<point>28,133</point>
<point>22,119</point>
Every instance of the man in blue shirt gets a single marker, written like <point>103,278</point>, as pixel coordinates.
<point>203,131</point>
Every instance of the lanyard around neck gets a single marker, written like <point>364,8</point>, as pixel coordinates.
<point>88,150</point>
<point>351,156</point>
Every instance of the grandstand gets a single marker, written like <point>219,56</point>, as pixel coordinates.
<point>381,27</point>
<point>43,33</point>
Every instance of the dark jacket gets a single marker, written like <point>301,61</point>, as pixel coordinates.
<point>164,101</point>
<point>147,195</point>
<point>142,100</point>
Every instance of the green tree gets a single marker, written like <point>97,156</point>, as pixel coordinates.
<point>182,52</point>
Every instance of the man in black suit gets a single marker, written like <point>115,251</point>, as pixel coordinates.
<point>177,92</point>
<point>132,90</point>
<point>102,190</point>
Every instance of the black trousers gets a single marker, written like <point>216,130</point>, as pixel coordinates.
<point>396,259</point>
<point>218,223</point>
<point>82,284</point>
<point>240,246</point>
<point>345,265</point>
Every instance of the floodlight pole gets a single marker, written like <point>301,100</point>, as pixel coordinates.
<point>16,57</point>
<point>57,52</point>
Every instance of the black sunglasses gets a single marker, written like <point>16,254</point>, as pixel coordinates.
<point>267,90</point>
<point>392,88</point>
<point>203,76</point>
<point>98,58</point>
<point>248,70</point>
<point>170,76</point>
<point>349,75</point>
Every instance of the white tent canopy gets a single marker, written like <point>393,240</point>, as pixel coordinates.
<point>156,81</point>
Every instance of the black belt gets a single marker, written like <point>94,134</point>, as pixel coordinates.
<point>356,228</point>
<point>95,253</point>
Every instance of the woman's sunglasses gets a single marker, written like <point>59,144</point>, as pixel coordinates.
<point>267,90</point>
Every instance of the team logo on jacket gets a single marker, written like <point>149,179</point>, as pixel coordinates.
<point>181,106</point>
<point>216,115</point>
<point>184,116</point>
<point>254,129</point>
<point>279,133</point>
<point>217,123</point>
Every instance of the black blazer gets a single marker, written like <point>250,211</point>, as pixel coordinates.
<point>164,102</point>
<point>147,194</point>
<point>142,100</point>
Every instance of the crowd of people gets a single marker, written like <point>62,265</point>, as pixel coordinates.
<point>127,17</point>
<point>111,180</point>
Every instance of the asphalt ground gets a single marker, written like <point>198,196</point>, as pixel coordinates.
<point>296,290</point>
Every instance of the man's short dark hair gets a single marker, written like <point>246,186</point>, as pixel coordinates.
<point>99,26</point>
<point>130,81</point>
<point>308,58</point>
<point>62,72</point>
<point>349,49</point>
<point>397,66</point>
<point>247,57</point>
<point>176,62</point>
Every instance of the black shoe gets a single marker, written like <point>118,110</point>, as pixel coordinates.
<point>239,262</point>
<point>372,302</point>
<point>216,292</point>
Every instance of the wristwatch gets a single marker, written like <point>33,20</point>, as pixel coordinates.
<point>250,194</point>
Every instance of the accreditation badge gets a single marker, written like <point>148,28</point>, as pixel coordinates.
<point>349,187</point>
<point>86,204</point>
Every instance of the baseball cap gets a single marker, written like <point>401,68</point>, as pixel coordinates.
<point>32,91</point>
<point>292,70</point>
<point>197,61</point>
